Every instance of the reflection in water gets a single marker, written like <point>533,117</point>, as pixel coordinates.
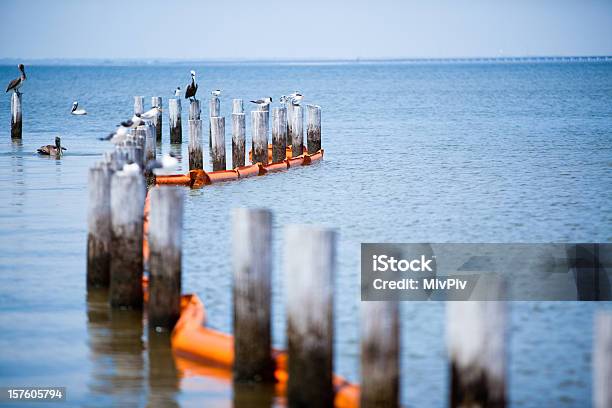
<point>17,176</point>
<point>116,347</point>
<point>254,396</point>
<point>163,374</point>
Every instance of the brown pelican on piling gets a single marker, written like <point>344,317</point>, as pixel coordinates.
<point>17,83</point>
<point>192,88</point>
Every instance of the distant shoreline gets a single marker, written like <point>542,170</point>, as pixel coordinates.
<point>314,61</point>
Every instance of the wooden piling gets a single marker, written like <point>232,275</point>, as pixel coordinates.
<point>279,134</point>
<point>194,110</point>
<point>313,128</point>
<point>214,110</point>
<point>138,104</point>
<point>380,348</point>
<point>196,159</point>
<point>238,139</point>
<point>174,113</point>
<point>602,360</point>
<point>165,246</point>
<point>99,226</point>
<point>126,265</point>
<point>477,346</point>
<point>149,145</point>
<point>297,131</point>
<point>217,126</point>
<point>140,137</point>
<point>237,106</point>
<point>156,101</point>
<point>16,119</point>
<point>252,264</point>
<point>309,276</point>
<point>289,122</point>
<point>259,131</point>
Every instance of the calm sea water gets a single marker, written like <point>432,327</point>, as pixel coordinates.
<point>414,153</point>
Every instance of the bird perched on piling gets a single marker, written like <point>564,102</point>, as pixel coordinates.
<point>192,88</point>
<point>131,168</point>
<point>17,83</point>
<point>283,99</point>
<point>52,150</point>
<point>177,92</point>
<point>76,111</point>
<point>263,102</point>
<point>151,113</point>
<point>119,135</point>
<point>166,165</point>
<point>296,98</point>
<point>137,120</point>
<point>216,92</point>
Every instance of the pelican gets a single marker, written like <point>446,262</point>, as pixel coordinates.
<point>192,88</point>
<point>166,165</point>
<point>262,102</point>
<point>216,92</point>
<point>76,111</point>
<point>52,150</point>
<point>17,83</point>
<point>151,113</point>
<point>177,92</point>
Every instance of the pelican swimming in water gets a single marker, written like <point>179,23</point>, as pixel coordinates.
<point>52,150</point>
<point>151,113</point>
<point>17,83</point>
<point>216,92</point>
<point>262,102</point>
<point>75,109</point>
<point>177,92</point>
<point>166,165</point>
<point>192,88</point>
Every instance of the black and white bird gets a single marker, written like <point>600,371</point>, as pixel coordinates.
<point>120,134</point>
<point>216,92</point>
<point>192,88</point>
<point>296,98</point>
<point>17,83</point>
<point>177,92</point>
<point>283,99</point>
<point>166,165</point>
<point>52,150</point>
<point>151,113</point>
<point>137,120</point>
<point>76,111</point>
<point>262,102</point>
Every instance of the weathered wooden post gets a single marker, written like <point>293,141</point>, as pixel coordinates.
<point>214,110</point>
<point>165,244</point>
<point>309,276</point>
<point>156,101</point>
<point>289,105</point>
<point>149,151</point>
<point>217,126</point>
<point>477,346</point>
<point>279,134</point>
<point>238,139</point>
<point>380,351</point>
<point>140,137</point>
<point>174,113</point>
<point>16,124</point>
<point>297,131</point>
<point>99,223</point>
<point>126,265</point>
<point>194,110</point>
<point>252,264</point>
<point>602,360</point>
<point>138,104</point>
<point>237,106</point>
<point>196,159</point>
<point>259,131</point>
<point>313,128</point>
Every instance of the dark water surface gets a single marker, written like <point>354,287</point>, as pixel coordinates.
<point>414,153</point>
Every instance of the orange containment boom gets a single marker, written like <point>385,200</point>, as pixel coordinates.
<point>191,340</point>
<point>288,153</point>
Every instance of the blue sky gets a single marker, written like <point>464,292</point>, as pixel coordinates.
<point>291,29</point>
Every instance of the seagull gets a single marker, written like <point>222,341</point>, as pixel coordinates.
<point>262,102</point>
<point>119,135</point>
<point>52,150</point>
<point>283,99</point>
<point>166,165</point>
<point>76,111</point>
<point>216,92</point>
<point>17,83</point>
<point>177,92</point>
<point>131,168</point>
<point>151,113</point>
<point>137,120</point>
<point>192,88</point>
<point>296,98</point>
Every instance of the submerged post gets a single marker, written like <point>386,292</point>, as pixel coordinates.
<point>309,276</point>
<point>194,110</point>
<point>297,131</point>
<point>279,134</point>
<point>252,264</point>
<point>16,124</point>
<point>237,106</point>
<point>313,128</point>
<point>174,113</point>
<point>138,104</point>
<point>214,110</point>
<point>99,223</point>
<point>259,130</point>
<point>380,348</point>
<point>477,346</point>
<point>165,246</point>
<point>196,158</point>
<point>126,265</point>
<point>602,360</point>
<point>238,139</point>
<point>156,101</point>
<point>217,127</point>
